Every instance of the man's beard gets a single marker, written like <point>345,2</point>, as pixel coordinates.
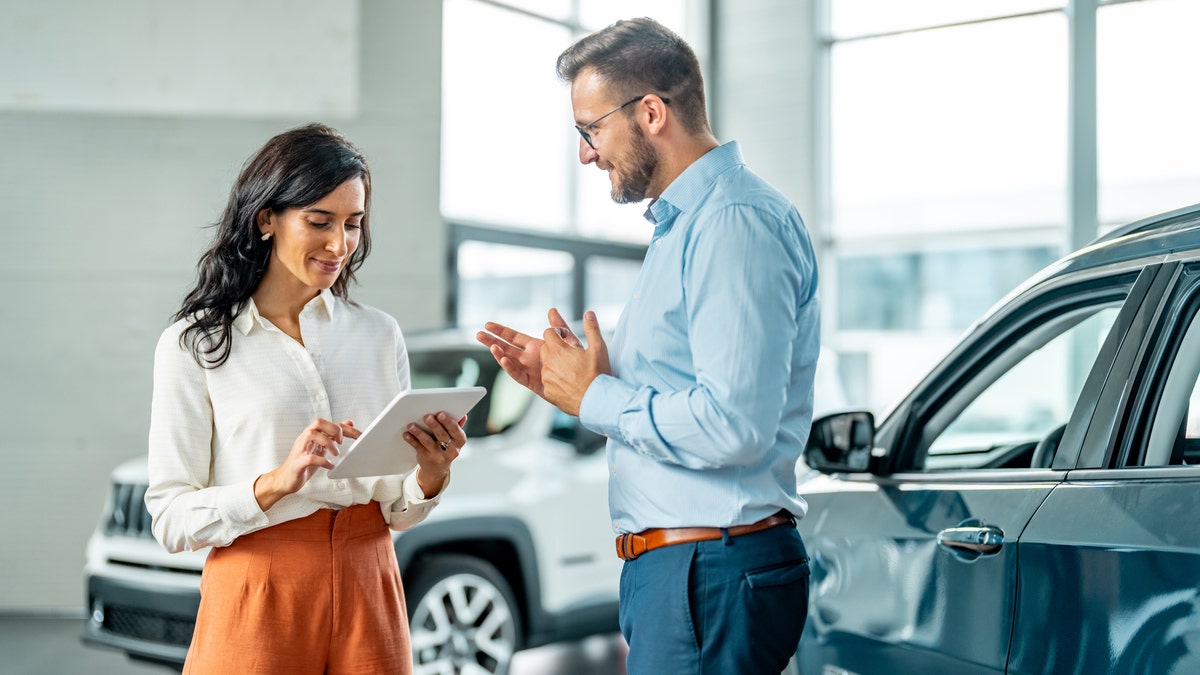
<point>642,163</point>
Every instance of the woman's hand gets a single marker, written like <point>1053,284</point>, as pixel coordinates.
<point>436,449</point>
<point>310,452</point>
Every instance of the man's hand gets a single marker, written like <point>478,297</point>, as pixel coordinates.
<point>517,353</point>
<point>567,367</point>
<point>520,355</point>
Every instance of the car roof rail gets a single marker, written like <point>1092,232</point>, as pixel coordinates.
<point>1155,222</point>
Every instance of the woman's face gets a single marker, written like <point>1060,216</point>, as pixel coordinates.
<point>312,244</point>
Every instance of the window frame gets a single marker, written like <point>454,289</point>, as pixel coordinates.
<point>580,249</point>
<point>1173,315</point>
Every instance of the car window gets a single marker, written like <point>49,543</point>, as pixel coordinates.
<point>505,402</point>
<point>1011,413</point>
<point>1175,431</point>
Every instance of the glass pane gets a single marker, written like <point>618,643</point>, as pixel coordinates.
<point>1149,141</point>
<point>899,313</point>
<point>950,129</point>
<point>513,285</point>
<point>1029,401</point>
<point>610,283</point>
<point>878,368</point>
<point>1175,434</point>
<point>596,14</point>
<point>865,17</point>
<point>930,290</point>
<point>554,9</point>
<point>506,119</point>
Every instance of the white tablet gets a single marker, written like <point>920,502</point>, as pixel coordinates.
<point>382,450</point>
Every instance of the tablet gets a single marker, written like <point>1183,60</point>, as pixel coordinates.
<point>382,450</point>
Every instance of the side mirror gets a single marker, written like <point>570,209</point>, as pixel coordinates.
<point>841,442</point>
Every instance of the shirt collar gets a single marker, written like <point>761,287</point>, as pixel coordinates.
<point>695,183</point>
<point>249,317</point>
<point>324,301</point>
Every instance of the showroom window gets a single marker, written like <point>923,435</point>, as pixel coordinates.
<point>531,226</point>
<point>1147,56</point>
<point>957,160</point>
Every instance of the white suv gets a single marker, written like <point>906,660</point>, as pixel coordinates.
<point>519,553</point>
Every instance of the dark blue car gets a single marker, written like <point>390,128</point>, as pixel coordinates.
<point>1033,505</point>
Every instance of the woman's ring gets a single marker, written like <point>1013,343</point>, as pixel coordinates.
<point>444,445</point>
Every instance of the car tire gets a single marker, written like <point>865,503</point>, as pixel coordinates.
<point>463,617</point>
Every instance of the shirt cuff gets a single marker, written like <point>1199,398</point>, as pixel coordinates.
<point>238,506</point>
<point>414,495</point>
<point>600,409</point>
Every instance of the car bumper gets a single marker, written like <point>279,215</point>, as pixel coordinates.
<point>148,623</point>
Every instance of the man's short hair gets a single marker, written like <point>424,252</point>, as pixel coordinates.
<point>641,56</point>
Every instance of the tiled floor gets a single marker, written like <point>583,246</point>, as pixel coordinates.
<point>46,646</point>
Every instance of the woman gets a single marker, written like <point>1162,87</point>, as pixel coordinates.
<point>267,351</point>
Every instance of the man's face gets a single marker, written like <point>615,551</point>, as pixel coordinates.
<point>618,144</point>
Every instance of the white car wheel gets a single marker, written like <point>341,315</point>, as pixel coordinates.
<point>463,618</point>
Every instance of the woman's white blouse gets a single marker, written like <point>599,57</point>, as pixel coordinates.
<point>214,431</point>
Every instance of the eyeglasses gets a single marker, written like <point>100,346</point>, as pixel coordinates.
<point>587,138</point>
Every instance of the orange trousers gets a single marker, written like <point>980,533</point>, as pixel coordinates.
<point>319,595</point>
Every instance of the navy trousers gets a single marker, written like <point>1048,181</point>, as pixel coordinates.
<point>729,606</point>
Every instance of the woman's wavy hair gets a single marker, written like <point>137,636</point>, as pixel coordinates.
<point>294,169</point>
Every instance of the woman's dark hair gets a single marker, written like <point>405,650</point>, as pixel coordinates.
<point>641,56</point>
<point>294,169</point>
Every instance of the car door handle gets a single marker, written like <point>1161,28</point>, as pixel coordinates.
<point>971,539</point>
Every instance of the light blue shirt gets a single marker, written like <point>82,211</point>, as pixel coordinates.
<point>710,401</point>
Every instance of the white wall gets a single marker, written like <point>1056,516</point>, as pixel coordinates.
<point>106,189</point>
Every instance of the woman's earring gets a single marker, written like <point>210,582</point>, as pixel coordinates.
<point>266,236</point>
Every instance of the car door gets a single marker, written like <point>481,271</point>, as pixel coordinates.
<point>915,564</point>
<point>1109,576</point>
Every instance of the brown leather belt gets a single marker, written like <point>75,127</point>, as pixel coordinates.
<point>632,545</point>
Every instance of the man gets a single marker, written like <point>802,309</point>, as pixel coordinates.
<point>707,400</point>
